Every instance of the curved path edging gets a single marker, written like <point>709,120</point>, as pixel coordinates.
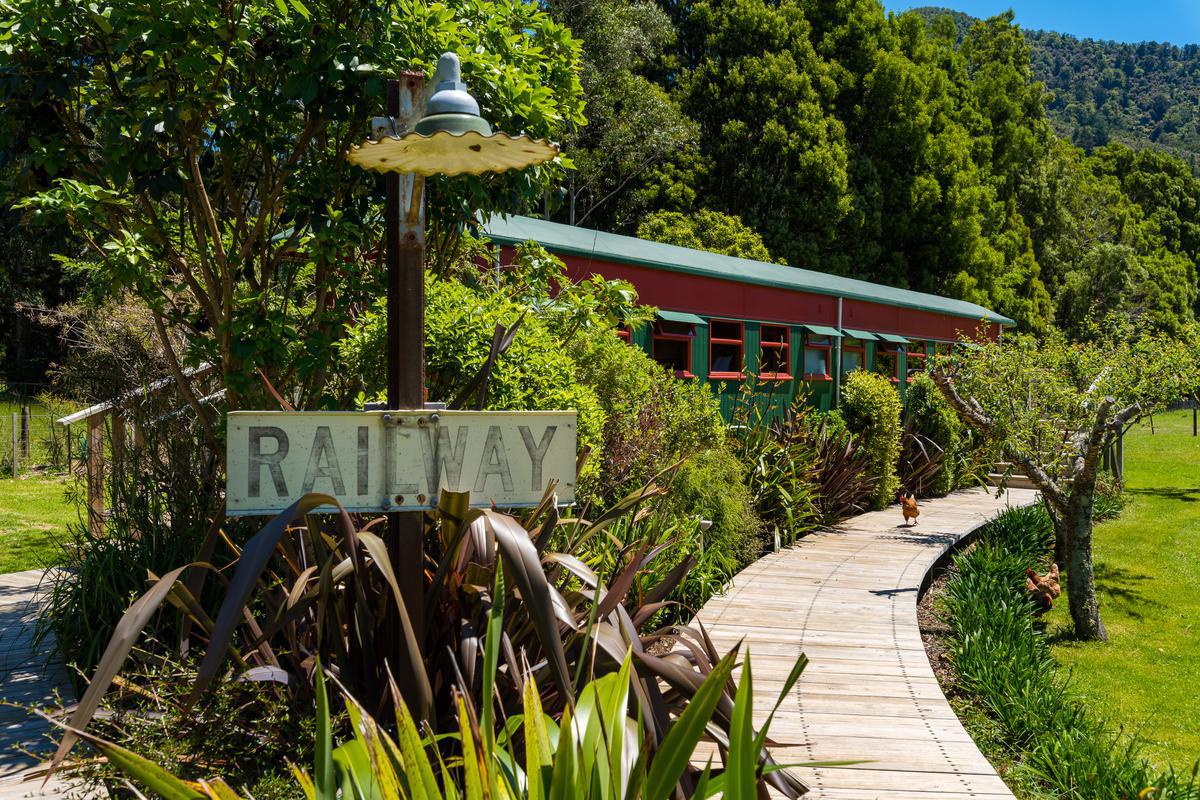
<point>847,597</point>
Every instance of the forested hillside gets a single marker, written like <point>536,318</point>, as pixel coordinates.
<point>913,153</point>
<point>1141,94</point>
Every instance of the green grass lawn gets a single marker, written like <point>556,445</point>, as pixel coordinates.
<point>1147,677</point>
<point>34,514</point>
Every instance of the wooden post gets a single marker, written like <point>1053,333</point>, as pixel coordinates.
<point>70,458</point>
<point>25,420</point>
<point>95,473</point>
<point>405,220</point>
<point>118,438</point>
<point>16,453</point>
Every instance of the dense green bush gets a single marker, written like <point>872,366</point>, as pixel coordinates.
<point>927,413</point>
<point>871,407</point>
<point>712,486</point>
<point>534,374</point>
<point>1003,664</point>
<point>652,420</point>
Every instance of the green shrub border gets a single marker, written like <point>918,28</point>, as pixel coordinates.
<point>1057,746</point>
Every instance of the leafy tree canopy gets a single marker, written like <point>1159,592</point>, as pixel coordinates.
<point>705,230</point>
<point>198,148</point>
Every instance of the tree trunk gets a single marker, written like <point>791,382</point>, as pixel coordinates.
<point>1081,580</point>
<point>1062,536</point>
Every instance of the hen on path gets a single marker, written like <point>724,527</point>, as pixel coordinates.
<point>908,507</point>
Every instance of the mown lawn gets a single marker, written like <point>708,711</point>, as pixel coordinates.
<point>34,514</point>
<point>1148,573</point>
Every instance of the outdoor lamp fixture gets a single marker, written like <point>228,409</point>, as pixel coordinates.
<point>451,138</point>
<point>439,135</point>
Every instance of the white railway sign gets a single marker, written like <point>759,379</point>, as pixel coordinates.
<point>397,460</point>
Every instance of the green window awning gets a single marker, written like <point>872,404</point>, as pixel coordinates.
<point>968,345</point>
<point>891,337</point>
<point>681,316</point>
<point>822,330</point>
<point>865,336</point>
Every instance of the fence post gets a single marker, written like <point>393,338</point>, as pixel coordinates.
<point>95,473</point>
<point>70,460</point>
<point>25,420</point>
<point>16,454</point>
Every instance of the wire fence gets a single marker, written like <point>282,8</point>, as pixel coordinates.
<point>36,443</point>
<point>31,440</point>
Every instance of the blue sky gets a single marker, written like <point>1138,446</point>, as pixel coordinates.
<point>1175,21</point>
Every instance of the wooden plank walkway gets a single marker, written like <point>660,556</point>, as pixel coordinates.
<point>27,677</point>
<point>847,597</point>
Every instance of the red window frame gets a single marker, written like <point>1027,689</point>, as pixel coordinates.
<point>892,349</point>
<point>828,348</point>
<point>624,335</point>
<point>921,357</point>
<point>740,342</point>
<point>782,348</point>
<point>659,335</point>
<point>860,348</point>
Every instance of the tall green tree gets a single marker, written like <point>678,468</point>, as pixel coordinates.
<point>198,149</point>
<point>633,123</point>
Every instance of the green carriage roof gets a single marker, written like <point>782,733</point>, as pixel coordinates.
<point>573,240</point>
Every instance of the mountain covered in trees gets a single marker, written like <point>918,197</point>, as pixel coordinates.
<point>914,150</point>
<point>1142,95</point>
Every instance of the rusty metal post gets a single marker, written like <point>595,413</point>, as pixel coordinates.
<point>405,210</point>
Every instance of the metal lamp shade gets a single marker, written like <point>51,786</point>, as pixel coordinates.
<point>451,138</point>
<point>447,153</point>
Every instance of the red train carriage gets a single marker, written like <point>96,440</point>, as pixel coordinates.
<point>723,318</point>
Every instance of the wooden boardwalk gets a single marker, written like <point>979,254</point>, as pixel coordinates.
<point>28,677</point>
<point>847,598</point>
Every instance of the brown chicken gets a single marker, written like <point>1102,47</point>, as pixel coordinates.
<point>1043,589</point>
<point>908,507</point>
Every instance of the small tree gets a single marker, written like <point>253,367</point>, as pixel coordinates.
<point>1057,408</point>
<point>198,149</point>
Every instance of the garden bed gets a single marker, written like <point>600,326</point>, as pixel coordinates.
<point>991,655</point>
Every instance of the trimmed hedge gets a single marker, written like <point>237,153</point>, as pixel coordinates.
<point>871,408</point>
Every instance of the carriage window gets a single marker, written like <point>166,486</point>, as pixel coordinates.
<point>887,361</point>
<point>775,353</point>
<point>671,346</point>
<point>854,355</point>
<point>916,358</point>
<point>818,351</point>
<point>726,339</point>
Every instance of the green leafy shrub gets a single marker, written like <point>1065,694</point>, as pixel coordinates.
<point>534,374</point>
<point>652,420</point>
<point>712,486</point>
<point>929,414</point>
<point>1003,663</point>
<point>871,407</point>
<point>570,623</point>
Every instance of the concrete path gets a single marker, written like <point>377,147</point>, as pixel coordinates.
<point>27,677</point>
<point>847,598</point>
